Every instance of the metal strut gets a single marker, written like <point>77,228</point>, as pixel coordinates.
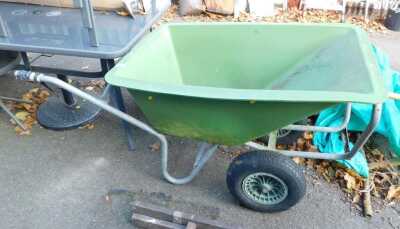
<point>376,116</point>
<point>205,150</point>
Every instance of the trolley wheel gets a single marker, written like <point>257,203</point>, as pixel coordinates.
<point>266,181</point>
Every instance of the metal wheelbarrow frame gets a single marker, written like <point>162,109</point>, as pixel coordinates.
<point>206,151</point>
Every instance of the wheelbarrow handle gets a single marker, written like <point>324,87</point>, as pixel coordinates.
<point>204,153</point>
<point>394,96</point>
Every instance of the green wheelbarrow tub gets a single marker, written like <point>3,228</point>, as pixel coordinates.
<point>229,83</point>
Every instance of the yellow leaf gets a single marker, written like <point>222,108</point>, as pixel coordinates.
<point>350,181</point>
<point>22,115</point>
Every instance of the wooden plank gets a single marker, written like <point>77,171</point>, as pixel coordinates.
<point>176,216</point>
<point>147,222</point>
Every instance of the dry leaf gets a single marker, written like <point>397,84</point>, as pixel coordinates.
<point>308,135</point>
<point>356,198</point>
<point>21,132</point>
<point>89,126</point>
<point>350,181</point>
<point>123,13</point>
<point>300,144</point>
<point>298,160</point>
<point>310,163</point>
<point>89,88</point>
<point>27,112</point>
<point>155,146</point>
<point>393,193</point>
<point>22,115</point>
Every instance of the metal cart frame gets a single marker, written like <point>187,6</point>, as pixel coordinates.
<point>206,151</point>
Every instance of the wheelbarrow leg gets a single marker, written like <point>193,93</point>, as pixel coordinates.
<point>118,101</point>
<point>204,153</point>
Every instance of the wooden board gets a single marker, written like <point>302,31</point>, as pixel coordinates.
<point>141,209</point>
<point>97,4</point>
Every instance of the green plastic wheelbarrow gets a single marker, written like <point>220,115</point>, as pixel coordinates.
<point>230,83</point>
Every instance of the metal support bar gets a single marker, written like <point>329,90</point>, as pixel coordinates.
<point>66,72</point>
<point>3,28</point>
<point>376,115</point>
<point>67,96</point>
<point>25,61</point>
<point>204,153</point>
<point>4,107</point>
<point>89,22</point>
<point>272,140</point>
<point>106,93</point>
<point>342,126</point>
<point>200,160</point>
<point>15,100</point>
<point>118,101</point>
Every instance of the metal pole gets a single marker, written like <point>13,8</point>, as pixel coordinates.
<point>67,96</point>
<point>89,21</point>
<point>118,101</point>
<point>324,128</point>
<point>199,162</point>
<point>4,107</point>
<point>3,28</point>
<point>376,115</point>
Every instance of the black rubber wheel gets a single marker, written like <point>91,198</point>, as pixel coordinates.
<point>266,181</point>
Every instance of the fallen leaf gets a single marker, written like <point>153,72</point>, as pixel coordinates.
<point>89,88</point>
<point>26,112</point>
<point>155,146</point>
<point>393,193</point>
<point>350,181</point>
<point>89,126</point>
<point>22,132</point>
<point>298,160</point>
<point>123,13</point>
<point>310,163</point>
<point>22,115</point>
<point>308,135</point>
<point>356,198</point>
<point>300,144</point>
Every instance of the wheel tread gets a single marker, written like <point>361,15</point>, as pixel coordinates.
<point>271,162</point>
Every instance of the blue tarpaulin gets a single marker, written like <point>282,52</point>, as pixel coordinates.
<point>360,117</point>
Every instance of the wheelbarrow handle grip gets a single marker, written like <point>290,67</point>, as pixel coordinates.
<point>25,75</point>
<point>394,96</point>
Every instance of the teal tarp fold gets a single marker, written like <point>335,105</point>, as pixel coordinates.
<point>360,117</point>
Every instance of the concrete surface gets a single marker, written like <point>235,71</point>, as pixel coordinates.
<point>60,179</point>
